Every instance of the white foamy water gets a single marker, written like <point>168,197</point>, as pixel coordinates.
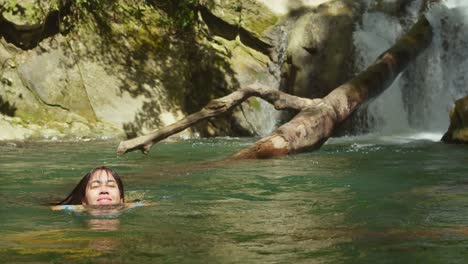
<point>420,98</point>
<point>372,139</point>
<point>281,7</point>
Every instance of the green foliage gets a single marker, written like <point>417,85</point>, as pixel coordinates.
<point>88,3</point>
<point>79,6</point>
<point>175,15</point>
<point>180,14</point>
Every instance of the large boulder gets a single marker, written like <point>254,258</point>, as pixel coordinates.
<point>320,51</point>
<point>458,129</point>
<point>244,35</point>
<point>45,97</point>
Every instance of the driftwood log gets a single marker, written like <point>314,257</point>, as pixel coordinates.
<point>317,118</point>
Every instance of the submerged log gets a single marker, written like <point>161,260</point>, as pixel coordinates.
<point>317,118</point>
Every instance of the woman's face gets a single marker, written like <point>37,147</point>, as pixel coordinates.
<point>102,189</point>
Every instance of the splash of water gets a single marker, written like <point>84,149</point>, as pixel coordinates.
<point>420,98</point>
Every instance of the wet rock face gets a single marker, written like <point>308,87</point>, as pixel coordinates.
<point>243,34</point>
<point>117,74</point>
<point>128,75</point>
<point>72,84</point>
<point>458,129</point>
<point>248,20</point>
<point>393,8</point>
<point>320,49</point>
<point>50,88</point>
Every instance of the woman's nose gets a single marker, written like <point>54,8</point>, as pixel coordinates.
<point>103,191</point>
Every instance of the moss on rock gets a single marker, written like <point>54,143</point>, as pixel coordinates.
<point>250,15</point>
<point>117,68</point>
<point>27,12</point>
<point>320,50</point>
<point>458,129</point>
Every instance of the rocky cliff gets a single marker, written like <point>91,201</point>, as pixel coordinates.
<point>99,69</point>
<point>104,68</point>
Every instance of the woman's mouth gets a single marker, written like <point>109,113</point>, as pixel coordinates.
<point>104,200</point>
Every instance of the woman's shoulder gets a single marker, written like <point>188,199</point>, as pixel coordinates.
<point>80,208</point>
<point>68,207</point>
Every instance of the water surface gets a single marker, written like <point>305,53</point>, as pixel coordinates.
<point>356,200</point>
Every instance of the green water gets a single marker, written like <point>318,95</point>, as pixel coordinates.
<point>357,200</point>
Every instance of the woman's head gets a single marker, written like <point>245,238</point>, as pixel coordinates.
<point>101,186</point>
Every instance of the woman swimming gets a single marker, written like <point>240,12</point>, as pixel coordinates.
<point>102,186</point>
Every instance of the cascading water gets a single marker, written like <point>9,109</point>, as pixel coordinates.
<point>420,98</point>
<point>376,34</point>
<point>446,64</point>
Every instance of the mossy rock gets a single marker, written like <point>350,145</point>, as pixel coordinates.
<point>461,135</point>
<point>250,15</point>
<point>461,108</point>
<point>458,129</point>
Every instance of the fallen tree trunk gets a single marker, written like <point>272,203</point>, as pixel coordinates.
<point>317,118</point>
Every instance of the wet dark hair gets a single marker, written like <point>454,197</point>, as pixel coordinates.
<point>78,194</point>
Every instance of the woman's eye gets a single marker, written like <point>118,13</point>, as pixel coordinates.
<point>111,185</point>
<point>94,186</point>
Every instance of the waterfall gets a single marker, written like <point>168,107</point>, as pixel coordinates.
<point>420,99</point>
<point>376,34</point>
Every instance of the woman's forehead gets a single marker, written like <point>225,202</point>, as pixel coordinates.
<point>101,175</point>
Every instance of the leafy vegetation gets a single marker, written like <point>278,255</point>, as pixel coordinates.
<point>181,14</point>
<point>176,15</point>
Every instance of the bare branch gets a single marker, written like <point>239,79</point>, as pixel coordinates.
<point>216,107</point>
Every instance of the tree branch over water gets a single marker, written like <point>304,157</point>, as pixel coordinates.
<point>216,107</point>
<point>318,118</point>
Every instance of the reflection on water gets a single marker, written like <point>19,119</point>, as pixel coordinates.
<point>104,245</point>
<point>71,244</point>
<point>103,218</point>
<point>104,224</point>
<point>357,200</point>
